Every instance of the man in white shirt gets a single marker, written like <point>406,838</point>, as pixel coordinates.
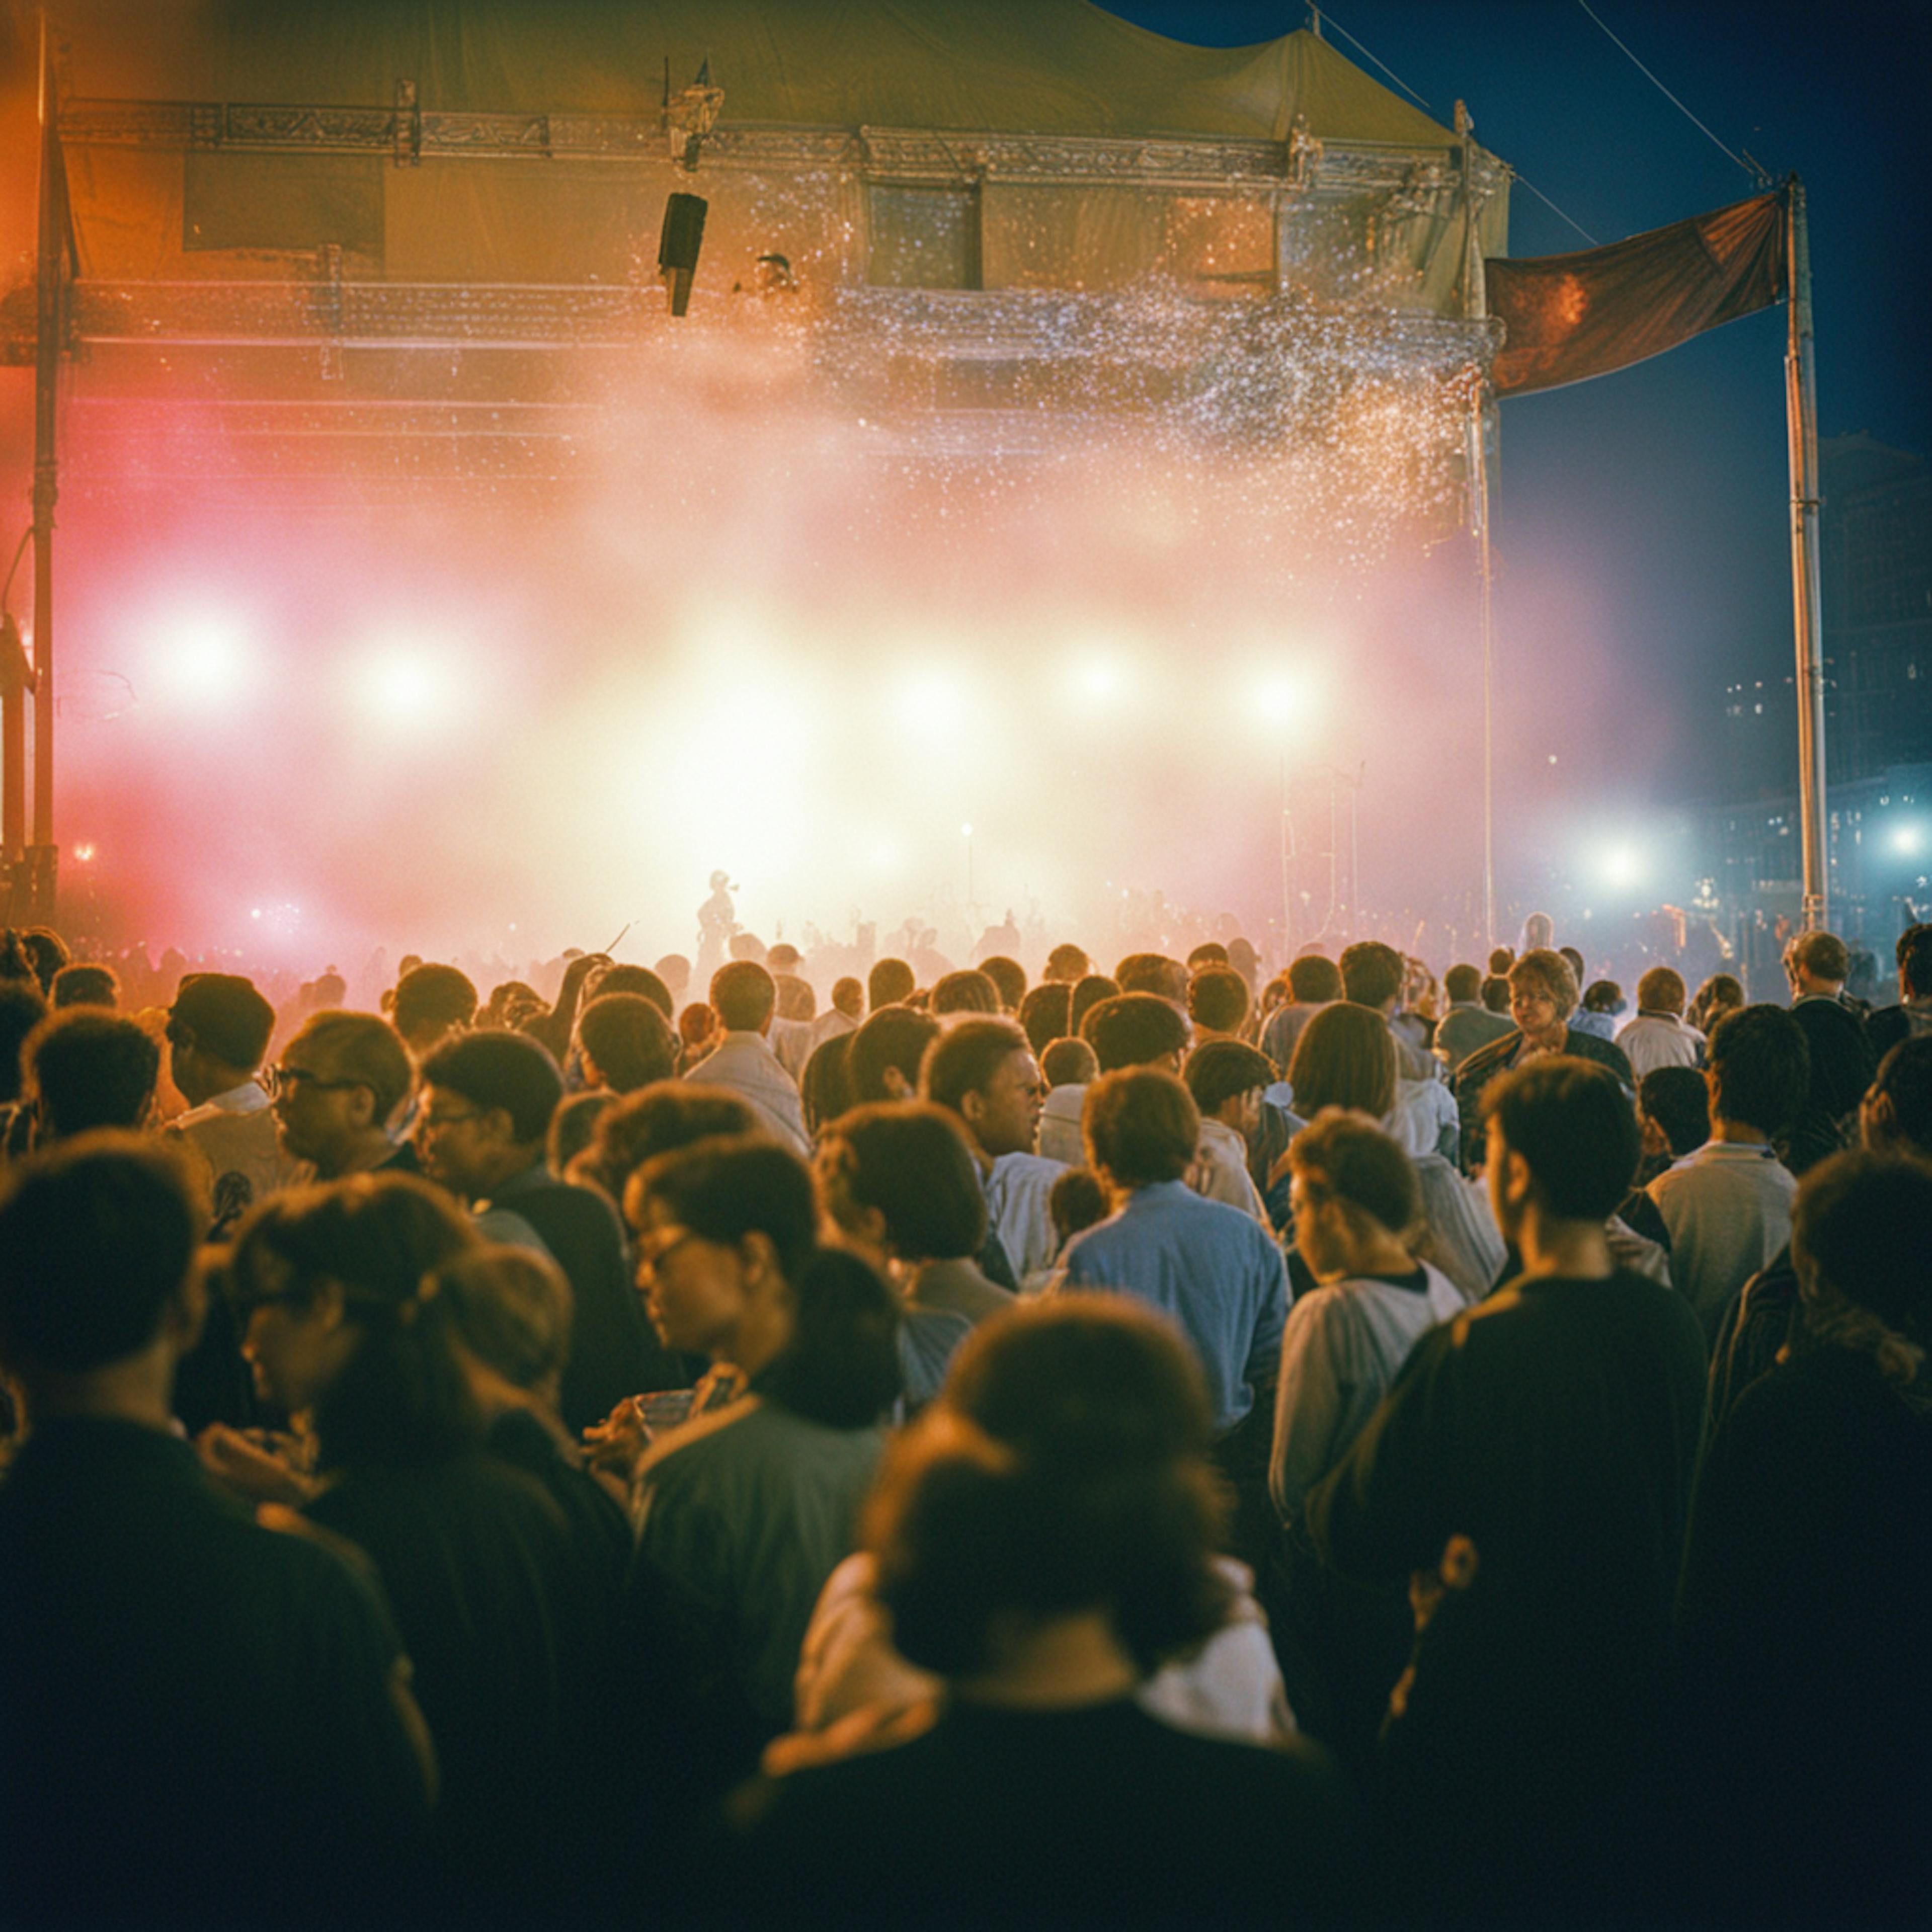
<point>1659,1036</point>
<point>218,1030</point>
<point>1727,1206</point>
<point>743,997</point>
<point>1227,1078</point>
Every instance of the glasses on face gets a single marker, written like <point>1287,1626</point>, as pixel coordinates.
<point>434,1121</point>
<point>288,1081</point>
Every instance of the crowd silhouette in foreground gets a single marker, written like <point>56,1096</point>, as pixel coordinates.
<point>947,1447</point>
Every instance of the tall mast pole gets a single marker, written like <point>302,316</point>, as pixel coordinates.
<point>1801,411</point>
<point>50,321</point>
<point>1475,306</point>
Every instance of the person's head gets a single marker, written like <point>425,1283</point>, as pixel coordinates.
<point>1314,979</point>
<point>1602,996</point>
<point>1152,973</point>
<point>573,1126</point>
<point>1816,962</point>
<point>99,1236</point>
<point>795,999</point>
<point>1226,1077</point>
<point>1539,932</point>
<point>1008,976</point>
<point>840,1368</point>
<point>746,945</point>
<point>1088,994</point>
<point>982,1070</point>
<point>48,953</point>
<point>1542,995</point>
<point>898,1180</point>
<point>1141,1127</point>
<point>1673,1107</point>
<point>510,1000</point>
<point>825,1083</point>
<point>889,982</point>
<point>639,981</point>
<point>848,997</point>
<point>658,1120</point>
<point>1915,962</point>
<point>967,991</point>
<point>1720,994</point>
<point>1345,1057</point>
<point>1067,965</point>
<point>22,1007</point>
<point>1076,1202</point>
<point>1896,1115</point>
<point>674,970</point>
<point>1210,952</point>
<point>338,1083</point>
<point>1372,974</point>
<point>86,985</point>
<point>1574,960</point>
<point>1463,984</point>
<point>487,1102</point>
<point>784,960</point>
<point>432,1002</point>
<point>1502,958</point>
<point>1562,1144</point>
<point>84,1068</point>
<point>1758,1068</point>
<point>744,996</point>
<point>697,1027</point>
<point>1661,991</point>
<point>1353,1189</point>
<point>1043,1013</point>
<point>511,1310</point>
<point>1136,1030</point>
<point>624,1042</point>
<point>328,1285</point>
<point>1496,995</point>
<point>1217,1000</point>
<point>883,1061</point>
<point>724,1227</point>
<point>1859,1243</point>
<point>1068,1063</point>
<point>218,1032</point>
<point>1062,1476</point>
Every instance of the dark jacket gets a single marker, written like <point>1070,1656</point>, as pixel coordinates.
<point>1486,1063</point>
<point>612,1352</point>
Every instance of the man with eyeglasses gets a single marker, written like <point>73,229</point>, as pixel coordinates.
<point>338,1084</point>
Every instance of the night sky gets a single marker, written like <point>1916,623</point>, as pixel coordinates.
<point>1664,487</point>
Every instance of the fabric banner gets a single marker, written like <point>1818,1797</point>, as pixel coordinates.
<point>1572,316</point>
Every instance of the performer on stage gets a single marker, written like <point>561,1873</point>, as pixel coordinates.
<point>717,923</point>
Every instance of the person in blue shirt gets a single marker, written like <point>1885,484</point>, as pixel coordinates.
<point>1210,1268</point>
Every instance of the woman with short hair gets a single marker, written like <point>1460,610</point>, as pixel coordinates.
<point>1043,1541</point>
<point>1543,996</point>
<point>746,1510</point>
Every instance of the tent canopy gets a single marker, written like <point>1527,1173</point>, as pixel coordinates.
<point>1043,67</point>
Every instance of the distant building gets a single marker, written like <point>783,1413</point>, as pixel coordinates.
<point>1876,539</point>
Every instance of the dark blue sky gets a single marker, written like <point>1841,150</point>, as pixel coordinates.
<point>1665,485</point>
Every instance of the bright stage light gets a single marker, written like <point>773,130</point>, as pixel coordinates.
<point>965,831</point>
<point>84,855</point>
<point>405,687</point>
<point>203,659</point>
<point>1907,840</point>
<point>1621,865</point>
<point>1280,699</point>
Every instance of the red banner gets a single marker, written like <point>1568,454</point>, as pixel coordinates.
<point>1570,317</point>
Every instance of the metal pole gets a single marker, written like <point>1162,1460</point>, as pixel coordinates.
<point>1801,411</point>
<point>1475,305</point>
<point>49,322</point>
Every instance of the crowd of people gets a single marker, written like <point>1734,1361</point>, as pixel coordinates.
<point>966,1446</point>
